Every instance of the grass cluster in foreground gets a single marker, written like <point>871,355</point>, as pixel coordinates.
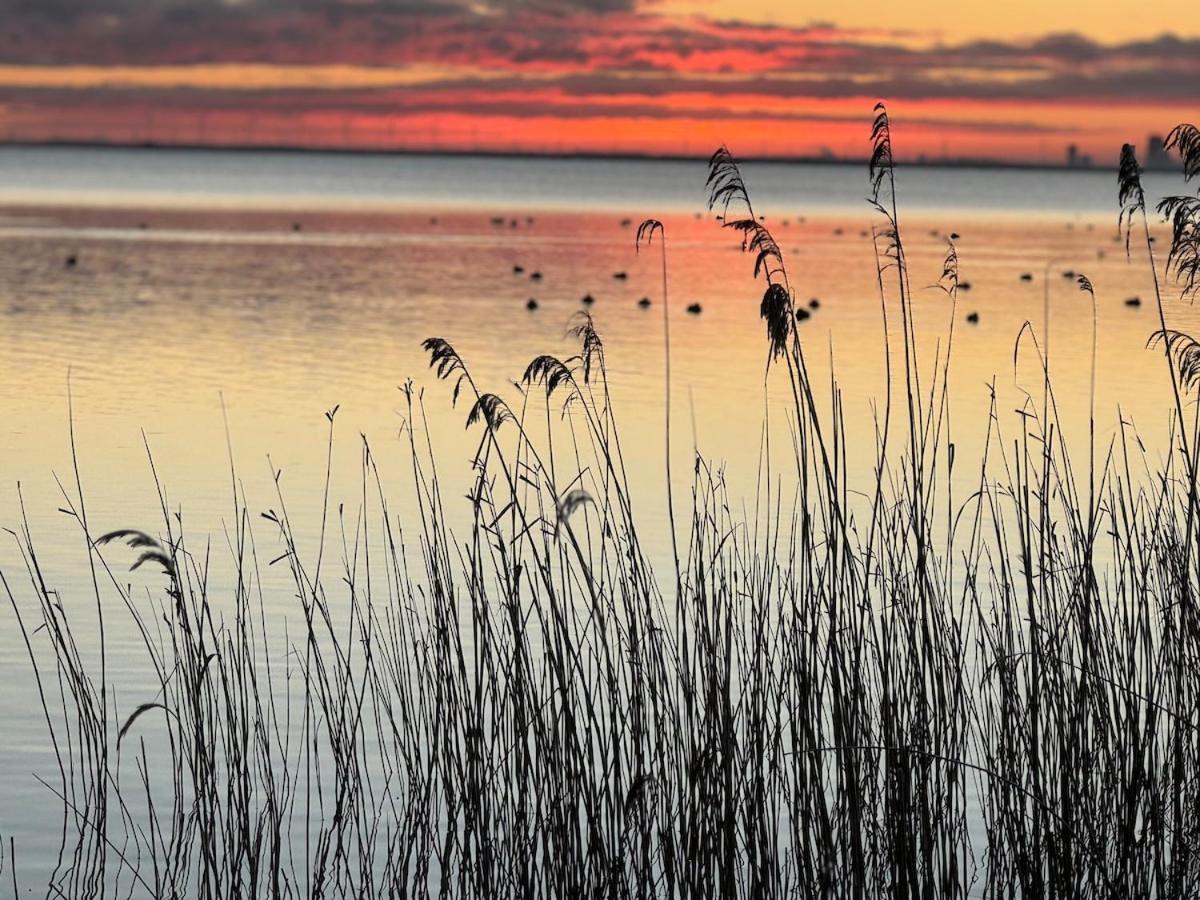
<point>914,694</point>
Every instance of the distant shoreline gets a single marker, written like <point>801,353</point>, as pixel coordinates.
<point>582,155</point>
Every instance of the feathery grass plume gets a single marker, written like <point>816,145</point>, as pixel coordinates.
<point>948,281</point>
<point>446,362</point>
<point>1184,351</point>
<point>1130,195</point>
<point>776,310</point>
<point>1085,285</point>
<point>569,503</point>
<point>1183,212</point>
<point>155,556</point>
<point>152,550</point>
<point>881,164</point>
<point>137,713</point>
<point>645,232</point>
<point>1186,139</point>
<point>591,354</point>
<point>724,182</point>
<point>1183,256</point>
<point>131,536</point>
<point>492,410</point>
<point>549,371</point>
<point>726,188</point>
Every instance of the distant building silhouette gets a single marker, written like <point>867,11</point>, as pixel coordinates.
<point>1157,156</point>
<point>1077,160</point>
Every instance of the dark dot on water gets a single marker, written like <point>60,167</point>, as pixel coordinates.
<point>588,300</point>
<point>644,302</point>
<point>814,303</point>
<point>143,226</point>
<point>512,223</point>
<point>837,232</point>
<point>529,220</point>
<point>517,270</point>
<point>531,304</point>
<point>295,226</point>
<point>954,235</point>
<point>863,233</point>
<point>973,318</point>
<point>1068,274</point>
<point>964,285</point>
<point>71,261</point>
<point>433,220</point>
<point>1027,276</point>
<point>1134,301</point>
<point>699,215</point>
<point>694,309</point>
<point>535,276</point>
<point>802,314</point>
<point>620,276</point>
<point>497,220</point>
<point>625,223</point>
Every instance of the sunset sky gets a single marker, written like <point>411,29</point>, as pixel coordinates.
<point>1017,80</point>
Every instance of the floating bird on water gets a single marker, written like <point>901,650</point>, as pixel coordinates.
<point>1027,276</point>
<point>964,285</point>
<point>588,300</point>
<point>802,314</point>
<point>694,309</point>
<point>973,318</point>
<point>644,302</point>
<point>814,303</point>
<point>517,270</point>
<point>620,276</point>
<point>70,261</point>
<point>1134,301</point>
<point>535,276</point>
<point>531,304</point>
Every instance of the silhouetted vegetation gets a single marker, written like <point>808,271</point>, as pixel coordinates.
<point>910,693</point>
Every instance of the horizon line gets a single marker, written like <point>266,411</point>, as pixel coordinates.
<point>923,160</point>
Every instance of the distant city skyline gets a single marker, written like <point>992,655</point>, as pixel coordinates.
<point>675,77</point>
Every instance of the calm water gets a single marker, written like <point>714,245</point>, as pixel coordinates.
<point>278,286</point>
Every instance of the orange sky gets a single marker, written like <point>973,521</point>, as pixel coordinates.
<point>1020,80</point>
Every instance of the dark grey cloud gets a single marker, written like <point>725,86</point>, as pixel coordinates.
<point>578,49</point>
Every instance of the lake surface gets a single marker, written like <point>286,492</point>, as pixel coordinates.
<point>174,294</point>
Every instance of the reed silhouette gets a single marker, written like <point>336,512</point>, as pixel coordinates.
<point>912,694</point>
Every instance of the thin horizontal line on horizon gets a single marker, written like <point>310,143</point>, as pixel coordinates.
<point>928,162</point>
